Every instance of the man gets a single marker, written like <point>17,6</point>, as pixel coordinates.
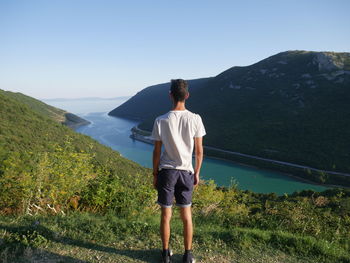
<point>179,131</point>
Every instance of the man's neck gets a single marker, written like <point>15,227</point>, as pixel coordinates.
<point>180,105</point>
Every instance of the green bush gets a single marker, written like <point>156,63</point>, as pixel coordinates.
<point>33,182</point>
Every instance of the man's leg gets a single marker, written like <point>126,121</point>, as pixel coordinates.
<point>186,216</point>
<point>165,226</point>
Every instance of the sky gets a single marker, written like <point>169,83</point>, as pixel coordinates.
<point>84,48</point>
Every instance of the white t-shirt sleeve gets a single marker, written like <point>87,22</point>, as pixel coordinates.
<point>156,131</point>
<point>200,132</point>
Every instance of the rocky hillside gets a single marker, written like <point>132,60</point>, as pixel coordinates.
<point>293,106</point>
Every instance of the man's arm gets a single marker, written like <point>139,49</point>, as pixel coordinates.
<point>156,159</point>
<point>198,145</point>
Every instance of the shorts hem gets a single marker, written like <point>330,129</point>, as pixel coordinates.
<point>163,205</point>
<point>184,205</point>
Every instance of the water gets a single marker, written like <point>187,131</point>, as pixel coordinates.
<point>115,133</point>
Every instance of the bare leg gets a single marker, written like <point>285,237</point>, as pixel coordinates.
<point>165,226</point>
<point>186,216</point>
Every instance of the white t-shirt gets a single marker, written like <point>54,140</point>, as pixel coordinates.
<point>176,130</point>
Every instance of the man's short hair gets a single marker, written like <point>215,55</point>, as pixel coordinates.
<point>179,89</point>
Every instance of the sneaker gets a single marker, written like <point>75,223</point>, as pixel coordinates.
<point>166,257</point>
<point>188,258</point>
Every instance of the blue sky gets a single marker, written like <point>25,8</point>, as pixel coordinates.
<point>84,48</point>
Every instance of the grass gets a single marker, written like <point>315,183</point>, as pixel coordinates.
<point>86,237</point>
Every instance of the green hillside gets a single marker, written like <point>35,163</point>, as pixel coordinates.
<point>66,198</point>
<point>59,115</point>
<point>33,143</point>
<point>149,102</point>
<point>27,124</point>
<point>291,107</point>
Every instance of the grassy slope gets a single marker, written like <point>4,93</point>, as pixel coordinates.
<point>231,225</point>
<point>40,107</point>
<point>24,128</point>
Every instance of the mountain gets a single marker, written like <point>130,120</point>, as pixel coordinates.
<point>148,103</point>
<point>293,106</point>
<point>69,119</point>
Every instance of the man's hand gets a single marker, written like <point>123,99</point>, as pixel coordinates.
<point>196,179</point>
<point>198,144</point>
<point>155,181</point>
<point>156,158</point>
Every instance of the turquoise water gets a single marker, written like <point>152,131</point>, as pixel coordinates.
<point>115,133</point>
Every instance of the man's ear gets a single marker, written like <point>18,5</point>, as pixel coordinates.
<point>187,95</point>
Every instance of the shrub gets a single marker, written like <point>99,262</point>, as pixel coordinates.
<point>34,182</point>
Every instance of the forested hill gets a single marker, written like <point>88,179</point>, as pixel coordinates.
<point>293,106</point>
<point>149,102</point>
<point>59,115</point>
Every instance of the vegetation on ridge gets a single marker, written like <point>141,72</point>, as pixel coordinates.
<point>59,115</point>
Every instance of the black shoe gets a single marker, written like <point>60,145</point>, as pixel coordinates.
<point>166,256</point>
<point>188,258</point>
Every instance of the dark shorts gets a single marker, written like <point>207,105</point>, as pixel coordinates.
<point>178,183</point>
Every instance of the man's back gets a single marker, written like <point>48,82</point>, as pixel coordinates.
<point>177,129</point>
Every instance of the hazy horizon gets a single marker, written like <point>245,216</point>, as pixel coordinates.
<point>86,98</point>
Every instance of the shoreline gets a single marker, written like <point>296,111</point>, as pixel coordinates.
<point>141,135</point>
<point>280,172</point>
<point>76,125</point>
<point>74,121</point>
